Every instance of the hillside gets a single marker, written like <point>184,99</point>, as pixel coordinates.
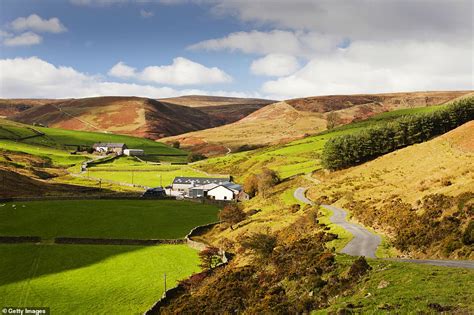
<point>421,196</point>
<point>130,115</point>
<point>293,119</point>
<point>9,107</point>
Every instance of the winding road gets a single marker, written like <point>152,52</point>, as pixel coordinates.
<point>365,243</point>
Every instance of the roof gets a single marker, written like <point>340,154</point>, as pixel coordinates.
<point>205,187</point>
<point>232,186</point>
<point>223,187</point>
<point>109,145</point>
<point>200,180</point>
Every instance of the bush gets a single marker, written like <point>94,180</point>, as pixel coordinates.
<point>196,157</point>
<point>260,243</point>
<point>176,145</point>
<point>210,257</point>
<point>468,235</point>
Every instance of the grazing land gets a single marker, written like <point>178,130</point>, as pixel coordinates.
<point>132,219</point>
<point>91,279</point>
<point>130,170</point>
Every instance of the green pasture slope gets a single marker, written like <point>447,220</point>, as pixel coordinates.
<point>91,279</point>
<point>131,219</point>
<point>130,170</point>
<point>13,134</point>
<point>301,156</point>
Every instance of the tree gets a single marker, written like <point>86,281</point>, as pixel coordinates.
<point>231,214</point>
<point>261,244</point>
<point>251,185</point>
<point>210,257</point>
<point>176,145</point>
<point>196,157</point>
<point>266,180</point>
<point>333,120</point>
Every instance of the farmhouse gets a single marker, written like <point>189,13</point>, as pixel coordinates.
<point>203,187</point>
<point>106,148</point>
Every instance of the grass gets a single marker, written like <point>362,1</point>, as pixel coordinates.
<point>135,219</point>
<point>410,288</point>
<point>301,156</point>
<point>344,236</point>
<point>68,140</point>
<point>129,170</point>
<point>91,279</point>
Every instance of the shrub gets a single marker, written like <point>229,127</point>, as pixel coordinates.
<point>210,257</point>
<point>196,157</point>
<point>176,145</point>
<point>468,235</point>
<point>260,243</point>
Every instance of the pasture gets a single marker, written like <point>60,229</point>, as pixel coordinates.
<point>132,219</point>
<point>91,279</point>
<point>69,140</point>
<point>132,171</point>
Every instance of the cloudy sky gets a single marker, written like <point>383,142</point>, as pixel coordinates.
<point>275,49</point>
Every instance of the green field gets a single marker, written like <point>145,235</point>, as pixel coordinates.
<point>68,140</point>
<point>135,219</point>
<point>91,279</point>
<point>129,170</point>
<point>297,157</point>
<point>406,288</point>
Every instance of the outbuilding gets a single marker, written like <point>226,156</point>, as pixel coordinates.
<point>221,192</point>
<point>133,152</point>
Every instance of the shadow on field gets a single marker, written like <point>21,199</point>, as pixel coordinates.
<point>26,261</point>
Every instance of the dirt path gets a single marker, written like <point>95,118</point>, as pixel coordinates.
<point>365,243</point>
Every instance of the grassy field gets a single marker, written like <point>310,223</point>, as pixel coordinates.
<point>297,157</point>
<point>68,140</point>
<point>91,279</point>
<point>130,170</point>
<point>404,288</point>
<point>136,219</point>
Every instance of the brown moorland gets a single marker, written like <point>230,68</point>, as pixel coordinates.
<point>421,196</point>
<point>293,119</point>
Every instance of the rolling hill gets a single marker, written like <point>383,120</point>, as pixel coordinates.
<point>136,116</point>
<point>9,107</point>
<point>294,119</point>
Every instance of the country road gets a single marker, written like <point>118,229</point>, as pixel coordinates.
<point>365,243</point>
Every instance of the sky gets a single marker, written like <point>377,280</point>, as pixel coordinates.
<point>274,49</point>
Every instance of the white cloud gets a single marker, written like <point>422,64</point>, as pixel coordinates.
<point>24,39</point>
<point>362,19</point>
<point>371,66</point>
<point>300,43</point>
<point>275,65</point>
<point>146,14</point>
<point>121,70</point>
<point>37,24</point>
<point>181,72</point>
<point>35,78</point>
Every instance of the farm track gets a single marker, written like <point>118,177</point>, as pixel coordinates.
<point>365,242</point>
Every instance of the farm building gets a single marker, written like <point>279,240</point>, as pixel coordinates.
<point>105,148</point>
<point>202,187</point>
<point>133,152</point>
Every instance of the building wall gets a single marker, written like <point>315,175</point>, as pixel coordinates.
<point>220,193</point>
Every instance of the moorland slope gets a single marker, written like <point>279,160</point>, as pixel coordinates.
<point>294,119</point>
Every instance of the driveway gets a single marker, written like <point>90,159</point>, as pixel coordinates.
<point>365,243</point>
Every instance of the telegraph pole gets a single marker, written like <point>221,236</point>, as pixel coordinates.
<point>165,281</point>
<point>132,175</point>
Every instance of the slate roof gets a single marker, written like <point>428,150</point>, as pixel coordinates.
<point>200,180</point>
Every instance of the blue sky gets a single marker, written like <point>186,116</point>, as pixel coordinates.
<point>274,49</point>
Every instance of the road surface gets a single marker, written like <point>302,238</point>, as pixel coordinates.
<point>365,243</point>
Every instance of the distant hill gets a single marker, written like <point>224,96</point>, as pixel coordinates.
<point>9,107</point>
<point>136,116</point>
<point>294,119</point>
<point>224,109</point>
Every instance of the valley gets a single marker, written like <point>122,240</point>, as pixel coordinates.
<point>417,199</point>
